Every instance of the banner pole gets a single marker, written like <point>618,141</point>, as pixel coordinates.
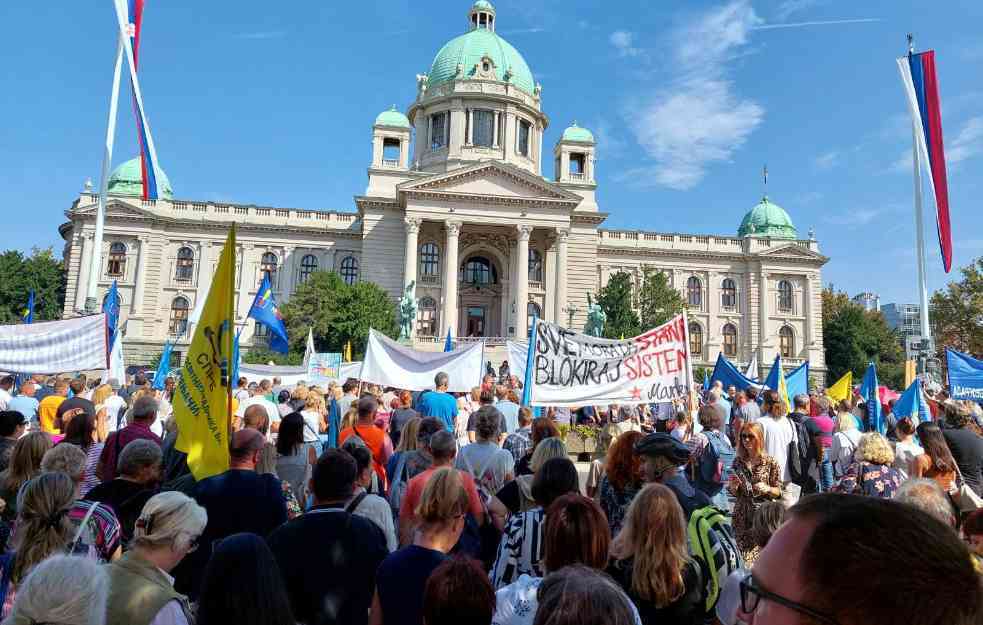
<point>527,382</point>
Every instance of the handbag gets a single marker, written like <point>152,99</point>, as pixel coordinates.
<point>964,497</point>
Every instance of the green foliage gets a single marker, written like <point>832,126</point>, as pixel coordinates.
<point>701,374</point>
<point>659,302</point>
<point>854,337</point>
<point>615,300</point>
<point>264,355</point>
<point>40,271</point>
<point>956,313</point>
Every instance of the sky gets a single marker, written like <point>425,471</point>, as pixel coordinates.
<point>273,103</point>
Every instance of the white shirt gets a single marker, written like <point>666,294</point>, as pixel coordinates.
<point>778,434</point>
<point>241,395</point>
<point>113,405</point>
<point>377,510</point>
<point>4,398</point>
<point>258,400</point>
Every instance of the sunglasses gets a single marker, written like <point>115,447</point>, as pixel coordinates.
<point>747,437</point>
<point>752,593</point>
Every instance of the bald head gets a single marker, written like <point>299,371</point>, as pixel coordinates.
<point>257,418</point>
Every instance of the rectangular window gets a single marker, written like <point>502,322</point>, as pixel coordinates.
<point>576,164</point>
<point>484,128</point>
<point>524,128</point>
<point>390,151</point>
<point>438,131</point>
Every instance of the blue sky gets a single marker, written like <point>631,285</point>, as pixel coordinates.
<point>272,103</point>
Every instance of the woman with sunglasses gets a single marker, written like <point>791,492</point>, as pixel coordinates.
<point>166,531</point>
<point>755,479</point>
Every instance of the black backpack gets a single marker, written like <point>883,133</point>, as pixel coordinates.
<point>799,454</point>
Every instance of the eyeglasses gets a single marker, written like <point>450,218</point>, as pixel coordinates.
<point>751,594</point>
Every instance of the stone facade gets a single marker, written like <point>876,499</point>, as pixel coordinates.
<point>456,203</point>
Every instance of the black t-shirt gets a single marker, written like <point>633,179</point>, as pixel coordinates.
<point>328,559</point>
<point>401,580</point>
<point>510,496</point>
<point>396,422</point>
<point>502,427</point>
<point>126,498</point>
<point>967,449</point>
<point>687,610</point>
<point>522,466</point>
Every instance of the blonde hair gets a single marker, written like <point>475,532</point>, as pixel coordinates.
<point>874,448</point>
<point>101,394</point>
<point>547,449</point>
<point>407,438</point>
<point>759,441</point>
<point>169,519</point>
<point>314,401</point>
<point>25,460</point>
<point>350,418</point>
<point>654,534</point>
<point>43,527</point>
<point>443,498</point>
<point>845,421</point>
<point>63,589</point>
<point>300,392</point>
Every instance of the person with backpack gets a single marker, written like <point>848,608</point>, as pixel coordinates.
<point>713,459</point>
<point>781,442</point>
<point>755,479</point>
<point>490,465</point>
<point>845,441</point>
<point>805,473</point>
<point>374,437</point>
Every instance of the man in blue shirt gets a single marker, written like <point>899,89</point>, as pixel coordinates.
<point>509,409</point>
<point>439,403</point>
<point>25,403</point>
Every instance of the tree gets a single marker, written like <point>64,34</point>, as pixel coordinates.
<point>854,337</point>
<point>659,302</point>
<point>956,313</point>
<point>40,271</point>
<point>615,301</point>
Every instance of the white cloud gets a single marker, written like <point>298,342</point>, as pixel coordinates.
<point>609,144</point>
<point>699,118</point>
<point>827,160</point>
<point>859,217</point>
<point>967,144</point>
<point>622,42</point>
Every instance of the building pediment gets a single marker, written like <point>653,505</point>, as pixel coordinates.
<point>115,207</point>
<point>792,251</point>
<point>492,182</point>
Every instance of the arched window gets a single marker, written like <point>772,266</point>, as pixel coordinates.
<point>267,265</point>
<point>728,293</point>
<point>695,339</point>
<point>179,316</point>
<point>786,342</point>
<point>532,311</point>
<point>349,270</point>
<point>308,265</point>
<point>785,296</point>
<point>184,266</point>
<point>426,317</point>
<point>116,266</point>
<point>479,270</point>
<point>694,292</point>
<point>730,340</point>
<point>429,259</point>
<point>535,266</point>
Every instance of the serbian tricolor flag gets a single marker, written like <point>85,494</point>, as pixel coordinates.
<point>922,90</point>
<point>134,16</point>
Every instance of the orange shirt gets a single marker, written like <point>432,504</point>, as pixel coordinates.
<point>48,412</point>
<point>375,440</point>
<point>414,490</point>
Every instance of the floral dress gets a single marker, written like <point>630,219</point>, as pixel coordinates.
<point>765,469</point>
<point>615,502</point>
<point>872,480</point>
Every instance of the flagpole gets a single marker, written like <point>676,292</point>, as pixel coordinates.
<point>107,159</point>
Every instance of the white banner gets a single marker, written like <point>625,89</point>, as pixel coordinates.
<point>293,375</point>
<point>518,351</point>
<point>66,346</point>
<point>392,364</point>
<point>117,368</point>
<point>573,369</point>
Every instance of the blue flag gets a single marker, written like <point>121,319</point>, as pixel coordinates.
<point>236,357</point>
<point>706,382</point>
<point>912,404</point>
<point>772,381</point>
<point>965,376</point>
<point>868,391</point>
<point>163,367</point>
<point>448,343</point>
<point>28,315</point>
<point>527,382</point>
<point>110,306</point>
<point>728,374</point>
<point>265,311</point>
<point>797,381</point>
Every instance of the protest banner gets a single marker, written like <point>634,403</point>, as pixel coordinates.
<point>965,375</point>
<point>65,346</point>
<point>517,352</point>
<point>574,369</point>
<point>392,364</point>
<point>323,368</point>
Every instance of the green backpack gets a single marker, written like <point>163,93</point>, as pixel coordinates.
<point>713,544</point>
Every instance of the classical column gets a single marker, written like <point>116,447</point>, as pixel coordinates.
<point>412,232</point>
<point>808,314</point>
<point>763,296</point>
<point>288,274</point>
<point>136,306</point>
<point>522,280</point>
<point>470,140</point>
<point>495,140</point>
<point>85,242</point>
<point>561,274</point>
<point>453,229</point>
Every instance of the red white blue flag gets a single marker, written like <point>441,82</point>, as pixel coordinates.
<point>922,90</point>
<point>134,16</point>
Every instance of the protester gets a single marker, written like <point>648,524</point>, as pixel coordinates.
<point>266,465</point>
<point>755,479</point>
<point>260,399</point>
<point>508,408</point>
<point>242,585</point>
<point>927,495</point>
<point>12,427</point>
<point>519,442</point>
<point>6,385</point>
<point>402,576</point>
<point>283,403</point>
<point>845,441</point>
<point>907,448</point>
<point>662,456</point>
<point>374,437</point>
<point>141,589</point>
<point>407,442</point>
<point>48,408</point>
<point>140,466</point>
<point>458,591</point>
<point>238,500</point>
<point>115,406</point>
<point>767,519</point>
<point>462,419</point>
<point>368,505</point>
<point>779,431</point>
<point>542,428</point>
<point>713,455</point>
<point>348,396</point>
<point>963,438</point>
<point>144,413</point>
<point>578,595</point>
<point>520,550</point>
<point>936,461</point>
<point>623,479</point>
<point>516,495</point>
<point>25,402</point>
<point>575,532</point>
<point>62,590</point>
<point>490,465</point>
<point>439,403</point>
<point>82,431</point>
<point>720,404</point>
<point>328,557</point>
<point>25,463</point>
<point>401,416</point>
<point>295,458</point>
<point>810,569</point>
<point>314,412</point>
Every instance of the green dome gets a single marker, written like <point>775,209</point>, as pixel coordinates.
<point>576,133</point>
<point>467,51</point>
<point>127,179</point>
<point>767,220</point>
<point>483,5</point>
<point>392,117</point>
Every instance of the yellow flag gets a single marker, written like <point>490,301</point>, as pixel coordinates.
<point>348,352</point>
<point>910,370</point>
<point>843,388</point>
<point>783,388</point>
<point>201,403</point>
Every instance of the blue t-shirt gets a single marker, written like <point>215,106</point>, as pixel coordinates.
<point>440,405</point>
<point>401,580</point>
<point>509,410</point>
<point>26,405</point>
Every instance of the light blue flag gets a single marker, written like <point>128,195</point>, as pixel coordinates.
<point>912,404</point>
<point>797,381</point>
<point>236,356</point>
<point>868,391</point>
<point>163,367</point>
<point>448,342</point>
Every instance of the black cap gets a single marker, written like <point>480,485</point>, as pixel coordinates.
<point>9,420</point>
<point>74,403</point>
<point>661,444</point>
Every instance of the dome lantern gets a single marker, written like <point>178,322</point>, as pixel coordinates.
<point>481,15</point>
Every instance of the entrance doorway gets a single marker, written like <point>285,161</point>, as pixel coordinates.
<point>475,321</point>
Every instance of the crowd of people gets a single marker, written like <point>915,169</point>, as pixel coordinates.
<point>360,504</point>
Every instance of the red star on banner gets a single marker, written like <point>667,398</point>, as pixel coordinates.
<point>636,393</point>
